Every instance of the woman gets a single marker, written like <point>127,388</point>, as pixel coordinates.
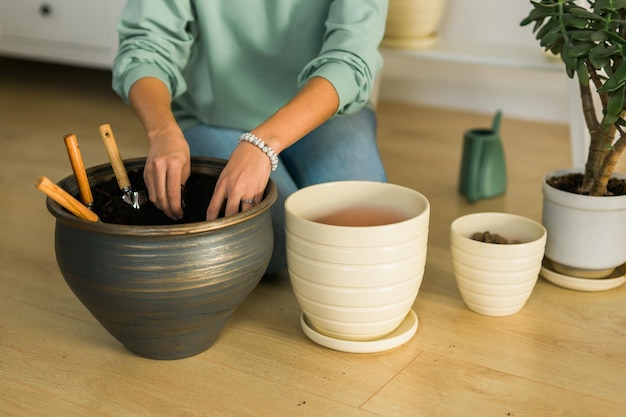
<point>215,78</point>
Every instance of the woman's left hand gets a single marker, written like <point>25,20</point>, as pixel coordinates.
<point>242,182</point>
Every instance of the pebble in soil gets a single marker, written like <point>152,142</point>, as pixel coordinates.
<point>488,237</point>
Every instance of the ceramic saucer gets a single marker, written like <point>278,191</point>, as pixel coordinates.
<point>617,278</point>
<point>405,331</point>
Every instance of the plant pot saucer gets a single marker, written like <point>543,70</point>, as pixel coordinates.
<point>616,279</point>
<point>403,333</point>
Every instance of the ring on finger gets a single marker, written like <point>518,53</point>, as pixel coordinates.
<point>248,201</point>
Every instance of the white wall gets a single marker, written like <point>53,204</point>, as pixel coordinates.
<point>478,84</point>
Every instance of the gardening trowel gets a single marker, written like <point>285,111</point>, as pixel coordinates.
<point>134,198</point>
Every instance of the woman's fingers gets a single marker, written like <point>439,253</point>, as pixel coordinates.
<point>215,205</point>
<point>163,177</point>
<point>231,199</point>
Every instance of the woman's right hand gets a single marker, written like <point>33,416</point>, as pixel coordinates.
<point>167,167</point>
<point>168,160</point>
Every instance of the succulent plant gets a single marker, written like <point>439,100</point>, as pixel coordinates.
<point>590,40</point>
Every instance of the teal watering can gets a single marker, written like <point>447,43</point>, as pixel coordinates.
<point>483,167</point>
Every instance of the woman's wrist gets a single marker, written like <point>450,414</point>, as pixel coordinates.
<point>263,147</point>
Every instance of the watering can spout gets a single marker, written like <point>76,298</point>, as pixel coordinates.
<point>497,119</point>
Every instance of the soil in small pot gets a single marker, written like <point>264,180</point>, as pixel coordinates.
<point>111,208</point>
<point>488,237</point>
<point>570,183</point>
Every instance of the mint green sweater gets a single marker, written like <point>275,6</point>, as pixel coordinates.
<point>233,63</point>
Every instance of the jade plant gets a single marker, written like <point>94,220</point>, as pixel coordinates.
<point>591,41</point>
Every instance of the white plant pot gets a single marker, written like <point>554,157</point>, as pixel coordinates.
<point>586,234</point>
<point>496,279</point>
<point>356,283</point>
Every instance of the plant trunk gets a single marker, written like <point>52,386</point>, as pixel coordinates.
<point>603,154</point>
<point>596,174</point>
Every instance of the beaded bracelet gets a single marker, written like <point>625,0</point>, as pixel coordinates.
<point>249,137</point>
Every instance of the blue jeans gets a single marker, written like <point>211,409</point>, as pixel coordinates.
<point>343,148</point>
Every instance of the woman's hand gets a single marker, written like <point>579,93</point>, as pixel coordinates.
<point>244,177</point>
<point>167,167</point>
<point>168,160</point>
<point>247,172</point>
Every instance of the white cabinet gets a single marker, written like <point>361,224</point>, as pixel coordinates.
<point>79,32</point>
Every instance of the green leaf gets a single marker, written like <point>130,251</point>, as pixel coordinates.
<point>549,39</point>
<point>581,35</point>
<point>602,4</point>
<point>599,62</point>
<point>620,73</point>
<point>609,85</point>
<point>556,48</point>
<point>600,56</point>
<point>584,13</point>
<point>608,120</point>
<point>580,50</point>
<point>602,51</point>
<point>616,39</point>
<point>615,104</point>
<point>537,14</point>
<point>551,26</point>
<point>598,36</point>
<point>615,81</point>
<point>610,4</point>
<point>571,62</point>
<point>574,21</point>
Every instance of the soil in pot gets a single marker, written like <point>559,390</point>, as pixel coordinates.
<point>570,183</point>
<point>110,207</point>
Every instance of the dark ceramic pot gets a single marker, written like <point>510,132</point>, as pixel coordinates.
<point>165,292</point>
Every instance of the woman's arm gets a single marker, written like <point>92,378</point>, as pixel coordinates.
<point>247,172</point>
<point>167,163</point>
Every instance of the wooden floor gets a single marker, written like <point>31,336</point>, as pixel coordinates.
<point>564,354</point>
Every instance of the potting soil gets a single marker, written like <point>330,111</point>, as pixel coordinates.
<point>111,208</point>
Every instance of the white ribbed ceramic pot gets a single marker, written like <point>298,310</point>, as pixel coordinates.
<point>496,279</point>
<point>356,282</point>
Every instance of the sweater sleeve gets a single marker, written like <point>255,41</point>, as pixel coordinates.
<point>349,58</point>
<point>156,37</point>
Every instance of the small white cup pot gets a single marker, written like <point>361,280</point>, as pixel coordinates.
<point>356,252</point>
<point>496,279</point>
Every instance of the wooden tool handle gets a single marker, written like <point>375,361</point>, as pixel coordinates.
<point>62,197</point>
<point>114,155</point>
<point>78,166</point>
